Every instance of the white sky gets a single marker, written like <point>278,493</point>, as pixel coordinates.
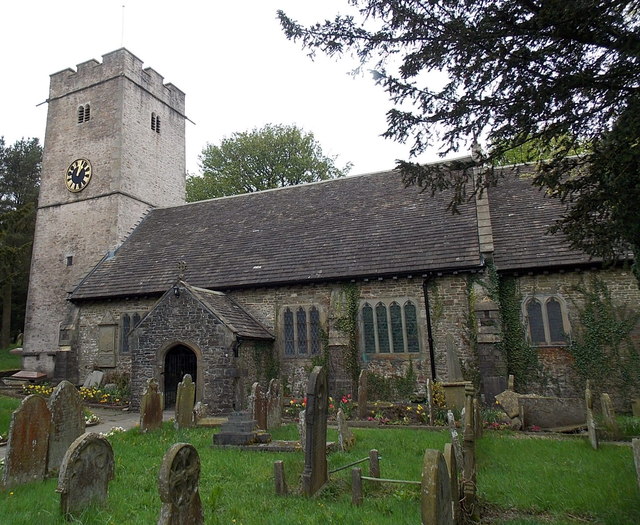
<point>231,58</point>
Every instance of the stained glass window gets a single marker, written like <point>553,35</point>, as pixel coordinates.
<point>301,319</point>
<point>383,328</point>
<point>397,333</point>
<point>368,330</point>
<point>314,329</point>
<point>289,348</point>
<point>411,327</point>
<point>554,315</point>
<point>536,324</point>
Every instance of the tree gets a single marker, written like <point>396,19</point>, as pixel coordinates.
<point>19,184</point>
<point>270,157</point>
<point>564,74</point>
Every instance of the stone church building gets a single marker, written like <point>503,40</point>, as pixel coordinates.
<point>358,273</point>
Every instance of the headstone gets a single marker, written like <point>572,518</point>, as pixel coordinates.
<point>178,486</point>
<point>258,406</point>
<point>28,443</point>
<point>435,490</point>
<point>635,407</point>
<point>363,395</point>
<point>87,468</point>
<point>455,438</point>
<point>609,416</point>
<point>591,422</point>
<point>453,361</point>
<point>94,379</point>
<point>469,456</point>
<point>302,428</point>
<point>278,476</point>
<point>151,407</point>
<point>430,407</point>
<point>315,473</point>
<point>67,422</point>
<point>200,411</point>
<point>185,399</point>
<point>346,439</point>
<point>508,400</point>
<point>274,405</point>
<point>635,443</point>
<point>240,429</point>
<point>452,469</point>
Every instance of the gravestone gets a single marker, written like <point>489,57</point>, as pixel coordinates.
<point>274,405</point>
<point>178,486</point>
<point>363,395</point>
<point>469,455</point>
<point>635,443</point>
<point>609,416</point>
<point>591,422</point>
<point>346,439</point>
<point>185,399</point>
<point>315,473</point>
<point>435,490</point>
<point>258,406</point>
<point>67,422</point>
<point>87,468</point>
<point>452,469</point>
<point>455,438</point>
<point>430,407</point>
<point>302,429</point>
<point>151,407</point>
<point>240,429</point>
<point>94,379</point>
<point>28,443</point>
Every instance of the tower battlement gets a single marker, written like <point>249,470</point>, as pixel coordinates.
<point>116,64</point>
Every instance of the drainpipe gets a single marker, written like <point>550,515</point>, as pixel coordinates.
<point>432,354</point>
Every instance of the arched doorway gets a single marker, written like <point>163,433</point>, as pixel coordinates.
<point>178,361</point>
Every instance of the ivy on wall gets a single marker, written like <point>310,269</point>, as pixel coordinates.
<point>603,348</point>
<point>348,325</point>
<point>266,361</point>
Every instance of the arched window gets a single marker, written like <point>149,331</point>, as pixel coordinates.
<point>383,328</point>
<point>84,113</point>
<point>392,328</point>
<point>289,340</point>
<point>155,122</point>
<point>546,320</point>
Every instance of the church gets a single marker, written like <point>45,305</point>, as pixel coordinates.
<point>354,273</point>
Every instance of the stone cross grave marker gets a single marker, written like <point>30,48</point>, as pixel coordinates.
<point>315,473</point>
<point>258,406</point>
<point>151,407</point>
<point>178,486</point>
<point>363,395</point>
<point>609,416</point>
<point>452,469</point>
<point>67,422</point>
<point>435,490</point>
<point>591,422</point>
<point>274,405</point>
<point>26,456</point>
<point>87,468</point>
<point>346,439</point>
<point>185,399</point>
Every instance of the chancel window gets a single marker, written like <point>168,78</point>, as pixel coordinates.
<point>389,327</point>
<point>301,331</point>
<point>546,320</point>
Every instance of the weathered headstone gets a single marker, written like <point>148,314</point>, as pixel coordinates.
<point>302,428</point>
<point>346,439</point>
<point>28,443</point>
<point>436,490</point>
<point>258,406</point>
<point>469,455</point>
<point>274,405</point>
<point>591,422</point>
<point>363,395</point>
<point>240,429</point>
<point>315,473</point>
<point>185,399</point>
<point>94,379</point>
<point>455,438</point>
<point>430,406</point>
<point>151,407</point>
<point>87,468</point>
<point>67,422</point>
<point>178,486</point>
<point>609,416</point>
<point>635,443</point>
<point>452,468</point>
<point>509,401</point>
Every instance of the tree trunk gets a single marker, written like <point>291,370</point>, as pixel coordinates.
<point>5,333</point>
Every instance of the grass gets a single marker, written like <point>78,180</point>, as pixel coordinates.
<point>9,361</point>
<point>521,481</point>
<point>7,406</point>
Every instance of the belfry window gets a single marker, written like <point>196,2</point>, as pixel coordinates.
<point>155,122</point>
<point>84,113</point>
<point>301,331</point>
<point>389,327</point>
<point>546,320</point>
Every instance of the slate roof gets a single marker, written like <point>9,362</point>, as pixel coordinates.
<point>354,227</point>
<point>238,320</point>
<point>521,215</point>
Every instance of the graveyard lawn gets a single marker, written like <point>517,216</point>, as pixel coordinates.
<point>520,481</point>
<point>9,361</point>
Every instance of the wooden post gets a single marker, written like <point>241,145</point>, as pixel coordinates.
<point>356,486</point>
<point>374,464</point>
<point>278,473</point>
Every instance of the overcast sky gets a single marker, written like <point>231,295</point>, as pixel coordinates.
<point>231,59</point>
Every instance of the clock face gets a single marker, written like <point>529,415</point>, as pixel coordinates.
<point>78,175</point>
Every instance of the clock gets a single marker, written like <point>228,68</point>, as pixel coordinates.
<point>78,175</point>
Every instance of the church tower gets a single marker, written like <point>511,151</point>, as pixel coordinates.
<point>114,148</point>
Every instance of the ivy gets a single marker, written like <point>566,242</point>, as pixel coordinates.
<point>266,361</point>
<point>603,348</point>
<point>393,388</point>
<point>348,325</point>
